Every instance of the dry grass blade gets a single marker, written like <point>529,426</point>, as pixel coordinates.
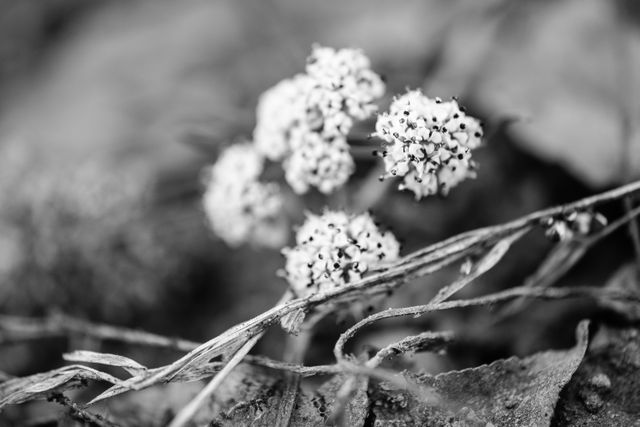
<point>561,259</point>
<point>484,264</point>
<point>20,390</point>
<point>187,413</point>
<point>83,356</point>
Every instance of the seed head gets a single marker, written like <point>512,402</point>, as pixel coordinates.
<point>326,165</point>
<point>315,108</point>
<point>240,208</point>
<point>428,142</point>
<point>334,249</point>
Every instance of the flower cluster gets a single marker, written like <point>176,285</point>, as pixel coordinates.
<point>428,142</point>
<point>304,120</point>
<point>334,249</point>
<point>240,208</point>
<point>280,111</point>
<point>348,74</point>
<point>316,161</point>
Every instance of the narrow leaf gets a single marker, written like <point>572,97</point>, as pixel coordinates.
<point>83,356</point>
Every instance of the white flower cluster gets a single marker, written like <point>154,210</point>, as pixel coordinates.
<point>334,249</point>
<point>347,73</point>
<point>305,120</point>
<point>315,162</point>
<point>240,208</point>
<point>428,142</point>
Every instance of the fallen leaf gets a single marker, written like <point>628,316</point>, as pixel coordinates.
<point>512,391</point>
<point>604,390</point>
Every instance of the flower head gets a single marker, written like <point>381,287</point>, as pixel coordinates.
<point>280,110</point>
<point>240,208</point>
<point>347,73</point>
<point>428,142</point>
<point>335,249</point>
<point>315,162</point>
<point>298,115</point>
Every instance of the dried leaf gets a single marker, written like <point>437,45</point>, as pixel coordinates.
<point>20,390</point>
<point>484,264</point>
<point>507,392</point>
<point>83,356</point>
<point>604,390</point>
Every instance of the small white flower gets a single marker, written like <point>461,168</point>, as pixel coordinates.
<point>428,142</point>
<point>335,249</point>
<point>240,208</point>
<point>315,162</point>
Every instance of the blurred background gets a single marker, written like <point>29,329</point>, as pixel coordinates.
<point>109,110</point>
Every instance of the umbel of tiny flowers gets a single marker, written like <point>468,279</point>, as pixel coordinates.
<point>428,142</point>
<point>304,121</point>
<point>335,249</point>
<point>240,208</point>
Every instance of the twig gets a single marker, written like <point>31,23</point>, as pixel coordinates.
<point>80,414</point>
<point>14,328</point>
